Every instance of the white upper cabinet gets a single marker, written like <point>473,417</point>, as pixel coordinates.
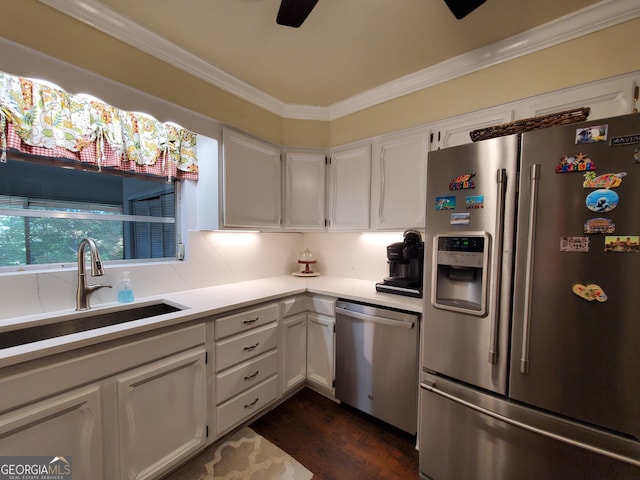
<point>349,189</point>
<point>607,98</point>
<point>398,181</point>
<point>251,182</point>
<point>304,190</point>
<point>456,130</point>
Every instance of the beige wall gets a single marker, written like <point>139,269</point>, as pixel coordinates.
<point>593,57</point>
<point>46,30</point>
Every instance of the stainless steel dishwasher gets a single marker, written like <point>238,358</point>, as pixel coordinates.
<point>377,362</point>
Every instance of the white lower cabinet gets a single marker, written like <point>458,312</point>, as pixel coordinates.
<point>307,345</point>
<point>237,379</point>
<point>162,414</point>
<point>247,404</point>
<point>321,352</point>
<point>120,410</point>
<point>67,425</point>
<point>246,364</point>
<point>293,365</point>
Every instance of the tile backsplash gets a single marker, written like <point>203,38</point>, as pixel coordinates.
<point>213,258</point>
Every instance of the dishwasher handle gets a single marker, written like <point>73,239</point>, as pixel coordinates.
<point>375,318</point>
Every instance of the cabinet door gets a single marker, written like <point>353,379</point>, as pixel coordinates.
<point>455,131</point>
<point>251,179</point>
<point>398,180</point>
<point>349,189</point>
<point>162,415</point>
<point>293,363</point>
<point>320,351</point>
<point>304,191</point>
<point>608,98</point>
<point>65,426</point>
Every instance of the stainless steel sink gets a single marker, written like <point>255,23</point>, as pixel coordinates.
<point>87,320</point>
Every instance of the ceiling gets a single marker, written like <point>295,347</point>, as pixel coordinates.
<point>344,48</point>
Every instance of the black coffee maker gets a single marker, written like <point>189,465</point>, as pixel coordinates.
<point>406,263</point>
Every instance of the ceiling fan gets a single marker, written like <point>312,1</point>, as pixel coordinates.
<point>293,13</point>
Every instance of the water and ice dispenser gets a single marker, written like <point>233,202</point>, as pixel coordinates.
<point>461,272</point>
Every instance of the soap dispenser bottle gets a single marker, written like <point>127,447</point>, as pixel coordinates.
<point>125,291</point>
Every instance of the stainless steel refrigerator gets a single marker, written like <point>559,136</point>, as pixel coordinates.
<point>531,325</point>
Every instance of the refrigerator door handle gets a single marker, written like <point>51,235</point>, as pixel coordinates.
<point>534,174</point>
<point>501,180</point>
<point>529,428</point>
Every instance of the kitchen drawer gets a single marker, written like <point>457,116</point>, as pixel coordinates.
<point>241,377</point>
<point>246,404</point>
<point>294,305</point>
<point>246,320</point>
<point>242,347</point>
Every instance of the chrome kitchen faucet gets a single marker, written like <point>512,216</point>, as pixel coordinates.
<point>84,290</point>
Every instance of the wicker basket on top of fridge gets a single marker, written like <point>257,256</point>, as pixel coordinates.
<point>533,123</point>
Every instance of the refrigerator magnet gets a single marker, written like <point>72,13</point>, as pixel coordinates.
<point>608,180</point>
<point>574,244</point>
<point>463,182</point>
<point>599,225</point>
<point>592,134</point>
<point>474,202</point>
<point>622,243</point>
<point>446,203</point>
<point>590,292</point>
<point>579,163</point>
<point>602,200</point>
<point>460,219</point>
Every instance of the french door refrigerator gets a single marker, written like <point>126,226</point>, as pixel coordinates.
<point>531,325</point>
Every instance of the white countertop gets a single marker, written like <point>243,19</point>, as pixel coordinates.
<point>197,304</point>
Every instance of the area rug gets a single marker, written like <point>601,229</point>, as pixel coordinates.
<point>245,455</point>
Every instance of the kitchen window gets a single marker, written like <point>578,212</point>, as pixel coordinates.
<point>46,210</point>
<point>73,166</point>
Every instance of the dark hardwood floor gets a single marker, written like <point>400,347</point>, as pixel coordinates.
<point>335,441</point>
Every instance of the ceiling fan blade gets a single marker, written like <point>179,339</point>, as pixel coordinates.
<point>293,12</point>
<point>462,8</point>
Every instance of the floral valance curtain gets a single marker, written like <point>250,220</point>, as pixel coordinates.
<point>41,120</point>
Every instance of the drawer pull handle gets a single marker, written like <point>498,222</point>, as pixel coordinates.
<point>252,376</point>
<point>250,321</point>
<point>251,347</point>
<point>252,404</point>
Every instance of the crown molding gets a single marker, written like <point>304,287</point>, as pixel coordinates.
<point>591,19</point>
<point>103,18</point>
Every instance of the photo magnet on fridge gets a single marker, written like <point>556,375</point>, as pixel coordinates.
<point>622,243</point>
<point>602,200</point>
<point>446,203</point>
<point>599,225</point>
<point>460,219</point>
<point>592,134</point>
<point>474,202</point>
